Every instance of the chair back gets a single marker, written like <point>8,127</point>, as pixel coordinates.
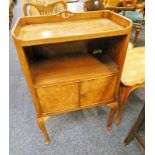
<point>44,9</point>
<point>129,3</point>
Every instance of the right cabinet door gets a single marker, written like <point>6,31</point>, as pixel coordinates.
<point>96,90</point>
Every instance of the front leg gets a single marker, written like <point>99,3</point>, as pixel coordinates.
<point>113,107</point>
<point>41,124</point>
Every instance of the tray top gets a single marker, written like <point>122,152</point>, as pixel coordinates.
<point>80,27</point>
<point>67,30</point>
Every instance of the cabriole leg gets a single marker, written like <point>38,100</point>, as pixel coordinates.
<point>41,124</point>
<point>113,107</point>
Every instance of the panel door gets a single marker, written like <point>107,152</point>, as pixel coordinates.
<point>97,90</point>
<point>58,97</point>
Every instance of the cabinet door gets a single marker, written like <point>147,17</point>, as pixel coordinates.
<point>58,98</point>
<point>98,90</point>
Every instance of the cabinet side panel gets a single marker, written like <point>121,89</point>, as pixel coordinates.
<point>116,48</point>
<point>26,70</point>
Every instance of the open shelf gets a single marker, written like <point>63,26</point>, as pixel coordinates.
<point>73,67</point>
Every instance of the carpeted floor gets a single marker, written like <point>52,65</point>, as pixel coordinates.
<point>77,133</point>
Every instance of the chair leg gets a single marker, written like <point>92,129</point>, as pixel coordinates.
<point>113,107</point>
<point>124,93</point>
<point>41,124</point>
<point>138,29</point>
<point>123,13</point>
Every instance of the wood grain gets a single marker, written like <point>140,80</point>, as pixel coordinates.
<point>52,29</point>
<point>48,30</point>
<point>98,89</point>
<point>70,68</point>
<point>58,98</point>
<point>135,59</point>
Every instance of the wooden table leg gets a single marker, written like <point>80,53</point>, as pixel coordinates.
<point>136,127</point>
<point>140,140</point>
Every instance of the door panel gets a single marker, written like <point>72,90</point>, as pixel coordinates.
<point>58,97</point>
<point>98,90</point>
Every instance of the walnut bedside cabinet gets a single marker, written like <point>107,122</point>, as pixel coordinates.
<point>72,61</point>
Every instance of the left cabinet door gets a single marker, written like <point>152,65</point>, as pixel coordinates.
<point>58,98</point>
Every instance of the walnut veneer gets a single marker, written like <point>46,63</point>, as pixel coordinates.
<point>72,61</point>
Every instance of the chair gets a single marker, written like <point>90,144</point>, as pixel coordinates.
<point>132,9</point>
<point>132,76</point>
<point>136,15</point>
<point>51,8</point>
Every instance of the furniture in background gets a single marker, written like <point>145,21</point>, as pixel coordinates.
<point>72,61</point>
<point>12,3</point>
<point>72,1</point>
<point>93,5</point>
<point>131,9</point>
<point>129,3</point>
<point>113,5</point>
<point>44,9</point>
<point>73,6</point>
<point>133,76</point>
<point>110,3</point>
<point>134,132</point>
<point>136,15</point>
